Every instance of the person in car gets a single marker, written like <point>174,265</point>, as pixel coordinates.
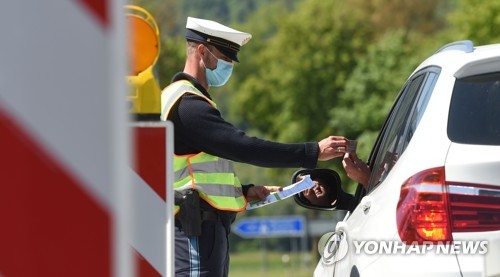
<point>320,194</point>
<point>356,169</point>
<point>360,172</point>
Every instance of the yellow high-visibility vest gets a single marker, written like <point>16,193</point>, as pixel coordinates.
<point>213,177</point>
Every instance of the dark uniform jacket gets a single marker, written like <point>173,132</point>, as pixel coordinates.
<point>199,127</point>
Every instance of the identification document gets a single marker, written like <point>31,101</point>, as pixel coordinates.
<point>352,146</point>
<point>288,191</point>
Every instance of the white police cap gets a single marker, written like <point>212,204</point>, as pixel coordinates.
<point>227,40</point>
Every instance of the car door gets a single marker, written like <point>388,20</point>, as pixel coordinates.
<point>372,220</point>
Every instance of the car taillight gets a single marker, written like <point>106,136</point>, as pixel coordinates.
<point>474,208</point>
<point>422,212</point>
<point>430,208</point>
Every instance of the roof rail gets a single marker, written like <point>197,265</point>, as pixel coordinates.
<point>464,45</point>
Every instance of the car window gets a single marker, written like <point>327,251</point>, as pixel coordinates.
<point>474,116</point>
<point>401,124</point>
<point>419,108</point>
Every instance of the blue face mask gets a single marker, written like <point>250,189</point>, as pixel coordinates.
<point>220,75</point>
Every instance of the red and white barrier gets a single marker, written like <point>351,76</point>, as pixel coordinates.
<point>152,177</point>
<point>66,188</point>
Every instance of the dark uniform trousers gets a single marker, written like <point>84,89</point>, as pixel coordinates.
<point>206,255</point>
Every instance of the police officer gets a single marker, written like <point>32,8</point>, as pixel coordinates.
<point>208,192</point>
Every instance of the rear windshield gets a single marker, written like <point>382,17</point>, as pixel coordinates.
<point>475,110</point>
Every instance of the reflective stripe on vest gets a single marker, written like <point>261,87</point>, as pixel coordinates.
<point>213,177</point>
<point>174,91</point>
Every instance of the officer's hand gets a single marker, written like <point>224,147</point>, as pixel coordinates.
<point>259,193</point>
<point>332,147</point>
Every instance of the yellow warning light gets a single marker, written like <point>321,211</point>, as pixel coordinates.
<point>143,52</point>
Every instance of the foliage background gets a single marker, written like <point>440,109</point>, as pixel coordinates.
<point>319,67</point>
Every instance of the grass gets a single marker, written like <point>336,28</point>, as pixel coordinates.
<point>271,264</point>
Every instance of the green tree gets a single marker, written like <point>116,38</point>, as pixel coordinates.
<point>295,77</point>
<point>330,67</point>
<point>423,16</point>
<point>171,60</point>
<point>167,14</point>
<point>476,20</point>
<point>370,90</point>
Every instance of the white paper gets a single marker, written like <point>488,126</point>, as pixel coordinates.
<point>288,191</point>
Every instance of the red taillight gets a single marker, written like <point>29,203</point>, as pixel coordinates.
<point>422,212</point>
<point>474,208</point>
<point>430,209</point>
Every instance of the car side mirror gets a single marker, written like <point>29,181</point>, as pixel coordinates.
<point>327,196</point>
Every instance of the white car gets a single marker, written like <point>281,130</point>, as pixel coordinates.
<point>432,206</point>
